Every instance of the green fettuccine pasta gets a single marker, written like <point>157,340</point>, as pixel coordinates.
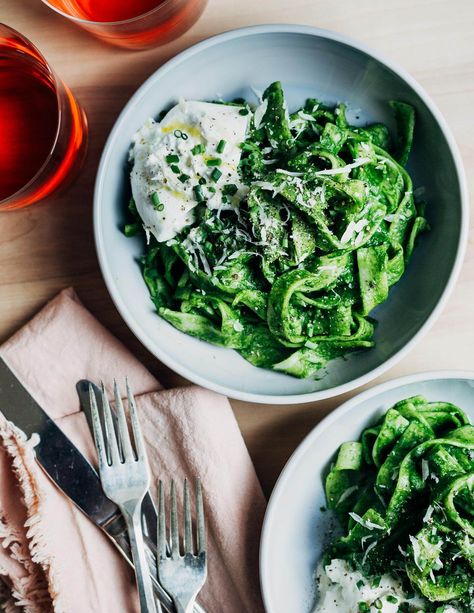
<point>404,496</point>
<point>289,274</point>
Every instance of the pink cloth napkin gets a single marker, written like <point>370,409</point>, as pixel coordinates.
<point>52,558</point>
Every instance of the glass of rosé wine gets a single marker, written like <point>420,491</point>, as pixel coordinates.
<point>43,130</point>
<point>133,24</point>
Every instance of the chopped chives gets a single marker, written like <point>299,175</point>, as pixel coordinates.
<point>131,229</point>
<point>197,149</point>
<point>202,181</point>
<point>132,207</point>
<point>180,134</point>
<point>376,581</point>
<point>160,207</point>
<point>221,146</point>
<point>175,169</point>
<point>216,174</point>
<point>212,189</point>
<point>243,112</point>
<point>183,178</point>
<point>155,200</point>
<point>230,189</point>
<point>214,162</point>
<point>197,189</point>
<point>172,158</point>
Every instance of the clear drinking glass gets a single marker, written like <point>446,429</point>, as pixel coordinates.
<point>135,24</point>
<point>43,130</point>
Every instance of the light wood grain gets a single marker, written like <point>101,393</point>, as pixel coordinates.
<point>47,247</point>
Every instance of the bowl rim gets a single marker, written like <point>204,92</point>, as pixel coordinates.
<point>308,441</point>
<point>206,382</point>
<point>83,21</point>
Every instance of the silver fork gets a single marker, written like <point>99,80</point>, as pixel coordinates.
<point>125,478</point>
<point>182,576</point>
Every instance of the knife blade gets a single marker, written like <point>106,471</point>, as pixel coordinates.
<point>67,467</point>
<point>61,460</point>
<point>148,506</point>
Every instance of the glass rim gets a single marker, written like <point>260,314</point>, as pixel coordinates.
<point>57,88</point>
<point>120,22</point>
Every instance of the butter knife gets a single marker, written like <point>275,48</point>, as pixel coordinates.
<point>68,468</point>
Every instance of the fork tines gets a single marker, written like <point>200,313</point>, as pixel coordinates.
<point>112,435</point>
<point>190,547</point>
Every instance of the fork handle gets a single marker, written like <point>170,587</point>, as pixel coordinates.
<point>144,584</point>
<point>187,609</point>
<point>122,542</point>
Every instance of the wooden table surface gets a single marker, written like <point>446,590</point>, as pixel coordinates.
<point>47,247</point>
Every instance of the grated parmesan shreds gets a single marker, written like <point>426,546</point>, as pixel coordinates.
<point>354,227</point>
<point>306,116</point>
<point>416,551</point>
<point>366,523</point>
<point>428,514</point>
<point>290,173</point>
<point>260,113</point>
<point>425,470</point>
<point>344,169</point>
<point>346,493</point>
<point>368,550</point>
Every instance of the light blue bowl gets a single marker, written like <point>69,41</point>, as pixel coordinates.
<point>309,62</point>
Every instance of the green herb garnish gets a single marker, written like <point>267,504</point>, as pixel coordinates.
<point>216,174</point>
<point>197,189</point>
<point>131,229</point>
<point>229,189</point>
<point>155,199</point>
<point>180,134</point>
<point>197,149</point>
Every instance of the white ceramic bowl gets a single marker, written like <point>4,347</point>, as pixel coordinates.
<point>295,531</point>
<point>309,62</point>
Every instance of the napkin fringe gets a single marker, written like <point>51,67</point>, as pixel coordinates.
<point>27,592</point>
<point>7,603</point>
<point>36,589</point>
